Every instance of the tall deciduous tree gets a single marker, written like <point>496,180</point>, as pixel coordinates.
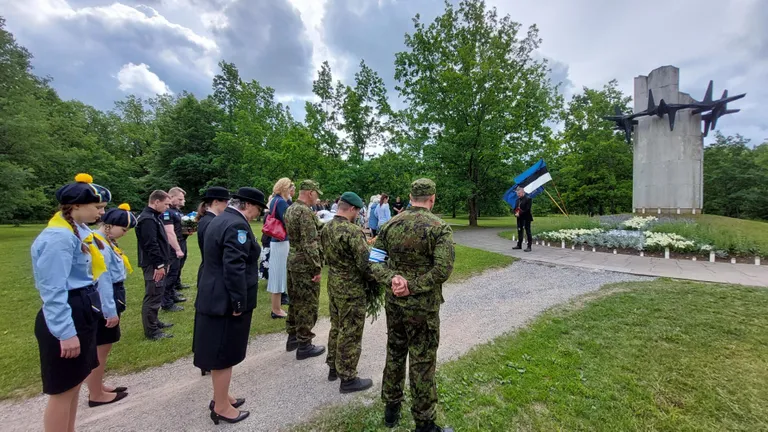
<point>473,82</point>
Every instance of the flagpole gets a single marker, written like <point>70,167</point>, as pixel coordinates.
<point>561,198</point>
<point>558,205</point>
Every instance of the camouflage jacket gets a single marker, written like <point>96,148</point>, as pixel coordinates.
<point>417,245</point>
<point>303,228</point>
<point>346,253</point>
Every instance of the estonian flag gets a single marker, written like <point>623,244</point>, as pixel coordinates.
<point>532,181</point>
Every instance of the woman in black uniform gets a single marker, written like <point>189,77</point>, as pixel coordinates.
<point>66,262</point>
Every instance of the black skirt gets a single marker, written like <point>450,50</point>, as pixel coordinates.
<point>60,374</point>
<point>104,335</point>
<point>220,342</point>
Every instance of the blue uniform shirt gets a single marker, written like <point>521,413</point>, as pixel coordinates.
<point>115,273</point>
<point>59,265</point>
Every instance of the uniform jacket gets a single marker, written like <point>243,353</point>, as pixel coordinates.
<point>345,251</point>
<point>230,276</point>
<point>173,216</point>
<point>202,226</point>
<point>303,228</point>
<point>153,246</point>
<point>417,245</point>
<point>525,204</point>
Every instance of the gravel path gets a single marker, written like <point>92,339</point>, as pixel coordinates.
<point>281,390</point>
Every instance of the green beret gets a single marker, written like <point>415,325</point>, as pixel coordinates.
<point>423,187</point>
<point>352,199</point>
<point>310,185</point>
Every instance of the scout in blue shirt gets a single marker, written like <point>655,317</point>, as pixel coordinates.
<point>66,262</point>
<point>114,224</point>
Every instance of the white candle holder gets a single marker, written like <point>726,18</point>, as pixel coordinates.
<point>757,260</point>
<point>733,260</point>
<point>666,253</point>
<point>615,252</point>
<point>642,253</point>
<point>711,257</point>
<point>562,244</point>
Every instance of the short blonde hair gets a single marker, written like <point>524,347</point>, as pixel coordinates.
<point>176,191</point>
<point>282,187</point>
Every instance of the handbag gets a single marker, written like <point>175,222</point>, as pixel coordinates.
<point>273,227</point>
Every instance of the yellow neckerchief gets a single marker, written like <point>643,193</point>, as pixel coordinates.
<point>117,250</point>
<point>98,266</point>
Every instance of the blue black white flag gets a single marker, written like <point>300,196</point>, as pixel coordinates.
<point>532,181</point>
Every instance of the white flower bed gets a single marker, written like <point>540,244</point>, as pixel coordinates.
<point>625,239</point>
<point>639,222</point>
<point>654,240</point>
<point>568,234</point>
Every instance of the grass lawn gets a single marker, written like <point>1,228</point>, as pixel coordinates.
<point>737,236</point>
<point>19,358</point>
<point>662,355</point>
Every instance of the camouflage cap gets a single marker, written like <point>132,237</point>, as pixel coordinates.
<point>423,187</point>
<point>310,185</point>
<point>352,199</point>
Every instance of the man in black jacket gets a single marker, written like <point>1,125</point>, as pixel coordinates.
<point>154,257</point>
<point>524,219</point>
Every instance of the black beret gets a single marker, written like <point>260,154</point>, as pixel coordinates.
<point>83,191</point>
<point>120,216</point>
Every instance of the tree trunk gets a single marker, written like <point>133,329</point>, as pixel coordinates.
<point>473,211</point>
<point>454,210</point>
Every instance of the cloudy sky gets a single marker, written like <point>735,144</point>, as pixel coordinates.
<point>98,51</point>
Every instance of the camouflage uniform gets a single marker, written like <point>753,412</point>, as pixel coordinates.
<point>304,263</point>
<point>419,246</point>
<point>346,253</point>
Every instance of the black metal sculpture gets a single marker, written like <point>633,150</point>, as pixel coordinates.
<point>713,109</point>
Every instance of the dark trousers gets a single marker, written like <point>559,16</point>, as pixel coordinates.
<point>524,225</point>
<point>153,298</point>
<point>173,281</point>
<point>415,334</point>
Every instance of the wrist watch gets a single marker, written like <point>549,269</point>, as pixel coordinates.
<point>160,267</point>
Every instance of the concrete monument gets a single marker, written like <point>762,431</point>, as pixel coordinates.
<point>669,153</point>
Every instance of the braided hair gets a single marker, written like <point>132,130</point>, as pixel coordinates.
<point>66,213</point>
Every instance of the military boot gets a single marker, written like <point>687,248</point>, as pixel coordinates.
<point>308,350</point>
<point>432,427</point>
<point>355,385</point>
<point>392,414</point>
<point>292,343</point>
<point>332,375</point>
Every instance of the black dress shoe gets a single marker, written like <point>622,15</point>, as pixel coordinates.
<point>238,403</point>
<point>392,414</point>
<point>517,247</point>
<point>355,385</point>
<point>217,418</point>
<point>174,308</point>
<point>292,343</point>
<point>179,299</point>
<point>119,389</point>
<point>431,427</point>
<point>528,249</point>
<point>160,335</point>
<point>119,396</point>
<point>332,375</point>
<point>276,316</point>
<point>183,286</point>
<point>163,325</point>
<point>309,351</point>
<point>204,372</point>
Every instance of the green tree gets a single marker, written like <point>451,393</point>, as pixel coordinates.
<point>473,82</point>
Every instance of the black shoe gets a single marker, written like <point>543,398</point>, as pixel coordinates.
<point>276,316</point>
<point>292,343</point>
<point>517,247</point>
<point>431,427</point>
<point>238,403</point>
<point>528,249</point>
<point>332,375</point>
<point>119,396</point>
<point>392,414</point>
<point>309,351</point>
<point>355,385</point>
<point>163,325</point>
<point>119,390</point>
<point>174,308</point>
<point>179,299</point>
<point>160,335</point>
<point>183,286</point>
<point>216,417</point>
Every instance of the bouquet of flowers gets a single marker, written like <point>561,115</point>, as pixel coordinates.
<point>188,225</point>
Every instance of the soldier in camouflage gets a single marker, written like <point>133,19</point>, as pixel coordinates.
<point>345,251</point>
<point>304,266</point>
<point>414,252</point>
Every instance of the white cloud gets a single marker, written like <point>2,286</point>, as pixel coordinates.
<point>138,79</point>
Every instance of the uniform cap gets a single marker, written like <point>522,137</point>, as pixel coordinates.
<point>352,199</point>
<point>120,216</point>
<point>423,187</point>
<point>310,185</point>
<point>83,191</point>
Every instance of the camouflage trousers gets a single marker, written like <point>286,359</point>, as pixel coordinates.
<point>346,336</point>
<point>416,334</point>
<point>302,314</point>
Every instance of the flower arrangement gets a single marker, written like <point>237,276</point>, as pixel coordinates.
<point>658,241</point>
<point>567,234</point>
<point>639,222</point>
<point>188,225</point>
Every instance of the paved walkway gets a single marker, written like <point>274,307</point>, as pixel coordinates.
<point>742,274</point>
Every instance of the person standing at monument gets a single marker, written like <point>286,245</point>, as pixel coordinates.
<point>414,253</point>
<point>304,266</point>
<point>345,251</point>
<point>154,257</point>
<point>524,218</point>
<point>178,242</point>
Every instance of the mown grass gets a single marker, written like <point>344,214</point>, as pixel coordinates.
<point>736,236</point>
<point>19,359</point>
<point>662,355</point>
